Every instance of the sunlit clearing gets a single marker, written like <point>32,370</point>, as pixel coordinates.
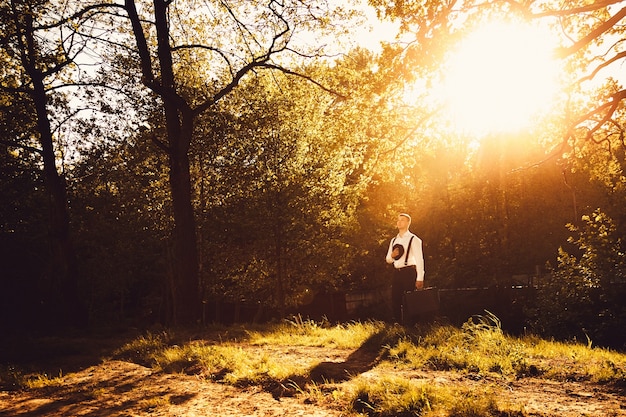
<point>500,78</point>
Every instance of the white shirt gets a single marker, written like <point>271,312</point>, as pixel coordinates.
<point>416,255</point>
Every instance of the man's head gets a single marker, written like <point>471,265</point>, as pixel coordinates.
<point>404,221</point>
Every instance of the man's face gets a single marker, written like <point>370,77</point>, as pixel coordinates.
<point>402,223</point>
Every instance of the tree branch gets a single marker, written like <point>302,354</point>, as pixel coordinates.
<point>596,5</point>
<point>610,107</point>
<point>160,144</point>
<point>80,13</point>
<point>12,144</point>
<point>564,52</point>
<point>249,67</point>
<point>142,44</point>
<point>605,64</point>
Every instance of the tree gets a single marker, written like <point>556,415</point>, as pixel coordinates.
<point>590,27</point>
<point>592,37</point>
<point>230,41</point>
<point>34,61</point>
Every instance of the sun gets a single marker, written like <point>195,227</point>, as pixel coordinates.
<point>500,78</point>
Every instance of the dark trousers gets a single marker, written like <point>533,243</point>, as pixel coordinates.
<point>403,280</point>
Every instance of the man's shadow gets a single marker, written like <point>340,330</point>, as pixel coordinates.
<point>366,357</point>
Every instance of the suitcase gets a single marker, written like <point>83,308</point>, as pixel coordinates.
<point>420,305</point>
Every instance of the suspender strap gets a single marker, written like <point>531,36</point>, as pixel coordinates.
<point>406,257</point>
<point>408,249</point>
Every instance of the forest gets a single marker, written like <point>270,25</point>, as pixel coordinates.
<point>169,161</point>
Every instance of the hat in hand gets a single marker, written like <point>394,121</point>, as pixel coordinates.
<point>400,251</point>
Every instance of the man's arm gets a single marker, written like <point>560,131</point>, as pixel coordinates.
<point>390,253</point>
<point>419,264</point>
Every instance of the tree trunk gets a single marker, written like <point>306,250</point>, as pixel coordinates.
<point>179,121</point>
<point>61,274</point>
<point>186,280</point>
<point>279,254</point>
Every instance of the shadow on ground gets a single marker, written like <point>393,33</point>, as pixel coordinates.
<point>55,355</point>
<point>366,357</point>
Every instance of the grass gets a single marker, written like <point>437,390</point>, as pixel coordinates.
<point>582,362</point>
<point>11,377</point>
<point>299,332</point>
<point>479,350</point>
<point>393,396</point>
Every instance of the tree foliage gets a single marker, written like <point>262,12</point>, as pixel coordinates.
<point>583,294</point>
<point>120,216</point>
<point>290,185</point>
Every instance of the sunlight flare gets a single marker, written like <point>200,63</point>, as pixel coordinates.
<point>500,78</point>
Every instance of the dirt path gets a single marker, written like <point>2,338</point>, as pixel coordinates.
<point>117,388</point>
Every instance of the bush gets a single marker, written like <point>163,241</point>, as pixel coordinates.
<point>583,296</point>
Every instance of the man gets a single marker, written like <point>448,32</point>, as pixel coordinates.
<point>406,255</point>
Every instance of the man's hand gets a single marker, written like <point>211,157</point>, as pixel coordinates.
<point>419,285</point>
<point>397,251</point>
